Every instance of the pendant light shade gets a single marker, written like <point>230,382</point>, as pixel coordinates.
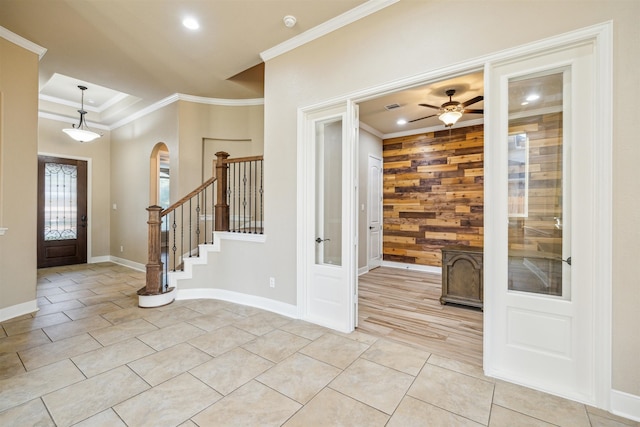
<point>81,132</point>
<point>450,117</point>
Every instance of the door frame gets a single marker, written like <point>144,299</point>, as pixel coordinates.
<point>89,193</point>
<point>602,37</point>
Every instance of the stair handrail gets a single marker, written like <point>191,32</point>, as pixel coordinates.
<point>188,196</point>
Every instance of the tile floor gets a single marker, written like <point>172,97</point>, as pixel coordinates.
<point>91,357</point>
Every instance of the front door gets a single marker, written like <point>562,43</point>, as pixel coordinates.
<point>62,211</point>
<point>375,213</point>
<point>327,243</point>
<point>540,239</point>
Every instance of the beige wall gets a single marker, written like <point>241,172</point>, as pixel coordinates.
<point>407,39</point>
<point>217,122</point>
<point>52,141</point>
<point>18,173</point>
<point>131,148</point>
<point>181,126</point>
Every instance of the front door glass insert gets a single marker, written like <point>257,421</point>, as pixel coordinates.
<point>61,196</point>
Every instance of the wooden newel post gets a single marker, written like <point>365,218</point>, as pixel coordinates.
<point>154,266</point>
<point>222,208</point>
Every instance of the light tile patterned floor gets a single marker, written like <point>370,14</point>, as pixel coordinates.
<point>91,357</point>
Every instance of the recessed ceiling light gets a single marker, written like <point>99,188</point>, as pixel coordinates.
<point>401,122</point>
<point>191,23</point>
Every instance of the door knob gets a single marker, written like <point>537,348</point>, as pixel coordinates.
<point>319,240</point>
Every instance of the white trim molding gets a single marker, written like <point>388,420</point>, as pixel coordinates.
<point>355,14</point>
<point>18,310</point>
<point>625,405</point>
<point>274,306</point>
<point>127,263</point>
<point>22,42</point>
<point>412,267</point>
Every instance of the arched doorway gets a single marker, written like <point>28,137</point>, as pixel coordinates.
<point>159,176</point>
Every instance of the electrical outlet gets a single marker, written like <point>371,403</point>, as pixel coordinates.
<point>272,282</point>
<point>121,248</point>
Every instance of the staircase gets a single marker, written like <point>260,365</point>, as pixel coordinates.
<point>182,235</point>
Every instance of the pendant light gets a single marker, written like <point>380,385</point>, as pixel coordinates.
<point>82,133</point>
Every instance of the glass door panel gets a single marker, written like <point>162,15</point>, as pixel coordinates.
<point>537,184</point>
<point>328,192</point>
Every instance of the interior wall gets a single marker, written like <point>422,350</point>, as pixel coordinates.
<point>131,148</point>
<point>233,124</point>
<point>52,141</point>
<point>408,41</point>
<point>433,194</point>
<point>181,126</point>
<point>18,174</point>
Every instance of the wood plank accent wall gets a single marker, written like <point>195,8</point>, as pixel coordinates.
<point>538,231</point>
<point>433,194</point>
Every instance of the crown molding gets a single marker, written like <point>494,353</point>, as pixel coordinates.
<point>187,98</point>
<point>327,27</point>
<point>220,101</point>
<point>22,42</point>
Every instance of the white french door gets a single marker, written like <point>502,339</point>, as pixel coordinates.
<point>326,207</point>
<point>540,215</point>
<point>374,202</point>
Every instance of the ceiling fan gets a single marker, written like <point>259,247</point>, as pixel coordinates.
<point>451,110</point>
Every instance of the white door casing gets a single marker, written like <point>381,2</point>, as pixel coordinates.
<point>600,258</point>
<point>548,342</point>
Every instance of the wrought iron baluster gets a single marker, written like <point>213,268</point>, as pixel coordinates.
<point>198,224</point>
<point>244,195</point>
<point>261,199</point>
<point>250,187</point>
<point>174,248</point>
<point>190,227</point>
<point>181,256</point>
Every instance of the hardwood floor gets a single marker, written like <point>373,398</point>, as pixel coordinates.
<point>404,306</point>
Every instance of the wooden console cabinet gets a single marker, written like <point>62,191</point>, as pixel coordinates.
<point>462,276</point>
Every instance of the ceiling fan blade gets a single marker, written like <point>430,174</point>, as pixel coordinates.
<point>472,101</point>
<point>473,111</point>
<point>421,118</point>
<point>429,106</point>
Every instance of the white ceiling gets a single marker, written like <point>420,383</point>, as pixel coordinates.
<point>132,54</point>
<point>374,113</point>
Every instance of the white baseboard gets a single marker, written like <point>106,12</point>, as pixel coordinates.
<point>99,259</point>
<point>413,267</point>
<point>127,263</point>
<point>18,310</point>
<point>363,270</point>
<point>625,405</point>
<point>278,307</point>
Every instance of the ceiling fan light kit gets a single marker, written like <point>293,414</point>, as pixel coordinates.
<point>450,116</point>
<point>451,111</point>
<point>82,133</point>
